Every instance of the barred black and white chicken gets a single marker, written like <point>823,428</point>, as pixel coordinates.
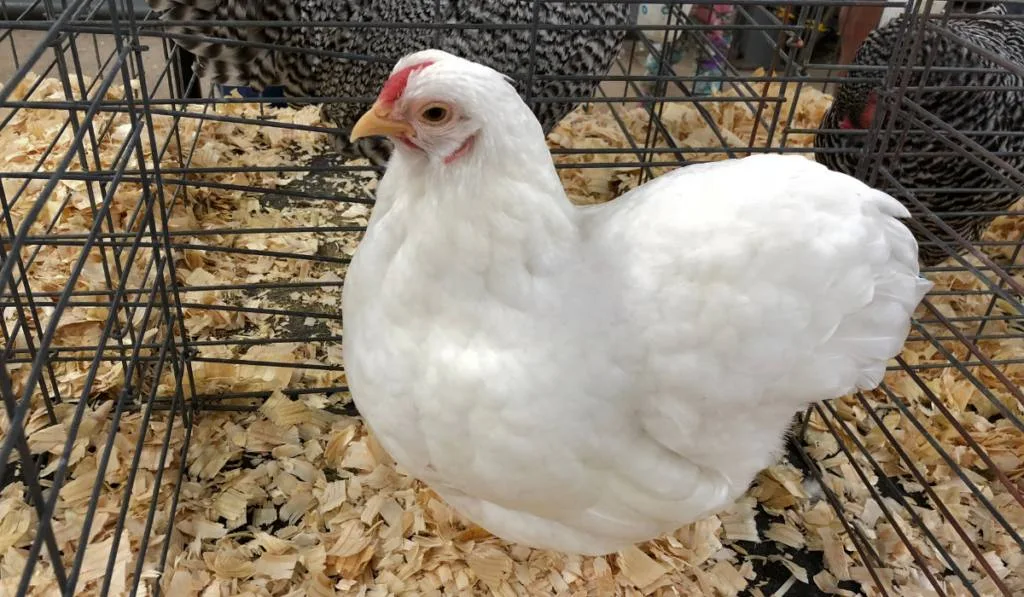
<point>560,52</point>
<point>976,96</point>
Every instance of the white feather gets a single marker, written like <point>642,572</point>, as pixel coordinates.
<point>584,379</point>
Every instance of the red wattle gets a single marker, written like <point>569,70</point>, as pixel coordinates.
<point>867,116</point>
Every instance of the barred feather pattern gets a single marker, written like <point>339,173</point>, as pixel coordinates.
<point>252,56</point>
<point>988,107</point>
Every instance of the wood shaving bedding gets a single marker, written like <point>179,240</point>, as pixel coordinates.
<point>292,499</point>
<point>597,128</point>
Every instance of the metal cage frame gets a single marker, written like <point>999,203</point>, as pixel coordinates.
<point>123,158</point>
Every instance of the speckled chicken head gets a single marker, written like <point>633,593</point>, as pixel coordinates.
<point>855,103</point>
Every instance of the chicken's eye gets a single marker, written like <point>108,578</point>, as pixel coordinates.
<point>435,114</point>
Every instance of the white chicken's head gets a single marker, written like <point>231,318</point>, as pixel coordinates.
<point>442,109</point>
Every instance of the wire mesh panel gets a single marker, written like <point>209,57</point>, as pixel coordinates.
<point>92,342</point>
<point>180,202</point>
<point>928,448</point>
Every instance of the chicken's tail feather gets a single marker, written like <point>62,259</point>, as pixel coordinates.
<point>878,331</point>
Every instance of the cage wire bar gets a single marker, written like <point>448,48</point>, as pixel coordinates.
<point>172,262</point>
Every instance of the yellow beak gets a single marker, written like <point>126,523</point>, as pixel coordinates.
<point>375,122</point>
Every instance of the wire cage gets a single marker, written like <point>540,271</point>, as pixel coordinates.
<point>175,417</point>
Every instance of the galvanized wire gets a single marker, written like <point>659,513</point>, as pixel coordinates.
<point>99,45</point>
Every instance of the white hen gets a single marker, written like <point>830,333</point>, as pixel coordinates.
<point>582,379</point>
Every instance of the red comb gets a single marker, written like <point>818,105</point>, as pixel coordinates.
<point>394,87</point>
